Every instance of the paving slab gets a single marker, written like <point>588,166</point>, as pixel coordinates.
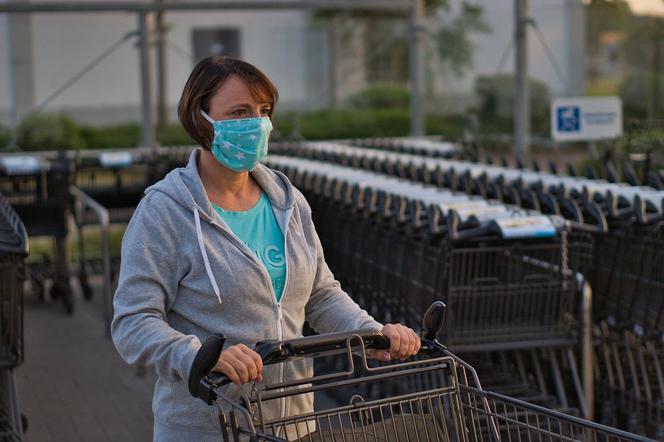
<point>73,385</point>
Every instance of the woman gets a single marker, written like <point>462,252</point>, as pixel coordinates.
<point>226,245</point>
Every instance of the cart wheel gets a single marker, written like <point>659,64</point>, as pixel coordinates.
<point>56,291</point>
<point>39,289</point>
<point>24,423</point>
<point>87,290</point>
<point>61,289</point>
<point>85,282</point>
<point>68,302</point>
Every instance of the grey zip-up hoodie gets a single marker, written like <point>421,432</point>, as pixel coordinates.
<point>184,275</point>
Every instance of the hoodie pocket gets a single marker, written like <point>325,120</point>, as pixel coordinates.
<point>184,411</point>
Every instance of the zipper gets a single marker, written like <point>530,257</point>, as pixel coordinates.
<point>243,247</point>
<point>280,328</point>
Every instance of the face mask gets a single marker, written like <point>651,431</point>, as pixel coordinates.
<point>240,144</point>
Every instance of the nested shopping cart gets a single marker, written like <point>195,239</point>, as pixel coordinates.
<point>435,396</point>
<point>37,187</point>
<point>13,249</point>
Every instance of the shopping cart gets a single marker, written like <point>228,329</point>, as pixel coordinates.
<point>13,249</point>
<point>37,187</point>
<point>435,396</point>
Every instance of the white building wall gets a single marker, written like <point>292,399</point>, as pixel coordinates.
<point>5,73</point>
<point>63,44</point>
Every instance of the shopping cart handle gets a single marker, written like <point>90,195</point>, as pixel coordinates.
<point>593,219</point>
<point>644,211</point>
<point>205,360</point>
<point>273,352</point>
<point>460,231</point>
<point>570,209</point>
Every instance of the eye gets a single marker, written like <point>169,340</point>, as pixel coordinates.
<point>265,111</point>
<point>239,112</point>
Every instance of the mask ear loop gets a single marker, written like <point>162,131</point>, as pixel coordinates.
<point>206,116</point>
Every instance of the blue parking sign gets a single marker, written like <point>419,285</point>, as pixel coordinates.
<point>586,118</point>
<point>569,119</point>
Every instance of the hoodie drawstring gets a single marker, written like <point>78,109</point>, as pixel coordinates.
<point>206,261</point>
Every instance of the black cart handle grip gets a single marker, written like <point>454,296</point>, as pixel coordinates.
<point>204,362</point>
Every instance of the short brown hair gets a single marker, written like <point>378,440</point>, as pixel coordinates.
<point>208,75</point>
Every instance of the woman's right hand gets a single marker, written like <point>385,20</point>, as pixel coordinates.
<point>241,364</point>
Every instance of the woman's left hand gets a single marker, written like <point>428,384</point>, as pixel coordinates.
<point>404,342</point>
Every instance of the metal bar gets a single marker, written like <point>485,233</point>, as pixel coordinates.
<point>104,221</point>
<point>147,132</point>
<point>416,121</point>
<point>585,408</point>
<point>586,344</point>
<point>522,94</point>
<point>557,378</point>
<point>402,6</point>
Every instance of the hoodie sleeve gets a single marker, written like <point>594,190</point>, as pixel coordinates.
<point>329,309</point>
<point>149,278</point>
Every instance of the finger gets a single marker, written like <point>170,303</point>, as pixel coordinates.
<point>238,364</point>
<point>380,355</point>
<point>413,342</point>
<point>229,371</point>
<point>395,340</point>
<point>406,342</point>
<point>258,361</point>
<point>252,371</point>
<point>418,342</point>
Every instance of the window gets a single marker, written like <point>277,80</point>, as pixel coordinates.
<point>216,42</point>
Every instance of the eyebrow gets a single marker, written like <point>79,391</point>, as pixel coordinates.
<point>249,105</point>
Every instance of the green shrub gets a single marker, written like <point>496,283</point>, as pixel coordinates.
<point>496,94</point>
<point>381,96</point>
<point>449,126</point>
<point>5,137</point>
<point>636,92</point>
<point>109,137</point>
<point>48,131</point>
<point>353,123</point>
<point>174,135</point>
<point>56,131</point>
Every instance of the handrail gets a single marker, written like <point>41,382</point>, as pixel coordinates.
<point>81,201</point>
<point>587,362</point>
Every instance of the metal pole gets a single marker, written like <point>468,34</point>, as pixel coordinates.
<point>656,55</point>
<point>333,52</point>
<point>416,117</point>
<point>522,94</point>
<point>587,362</point>
<point>147,135</point>
<point>162,77</point>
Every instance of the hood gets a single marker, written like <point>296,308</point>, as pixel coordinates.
<point>184,185</point>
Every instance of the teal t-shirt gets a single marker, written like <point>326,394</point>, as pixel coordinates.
<point>259,230</point>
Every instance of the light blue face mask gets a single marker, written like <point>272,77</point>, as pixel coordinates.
<point>240,144</point>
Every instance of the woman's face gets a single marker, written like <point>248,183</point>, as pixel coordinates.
<point>233,100</point>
